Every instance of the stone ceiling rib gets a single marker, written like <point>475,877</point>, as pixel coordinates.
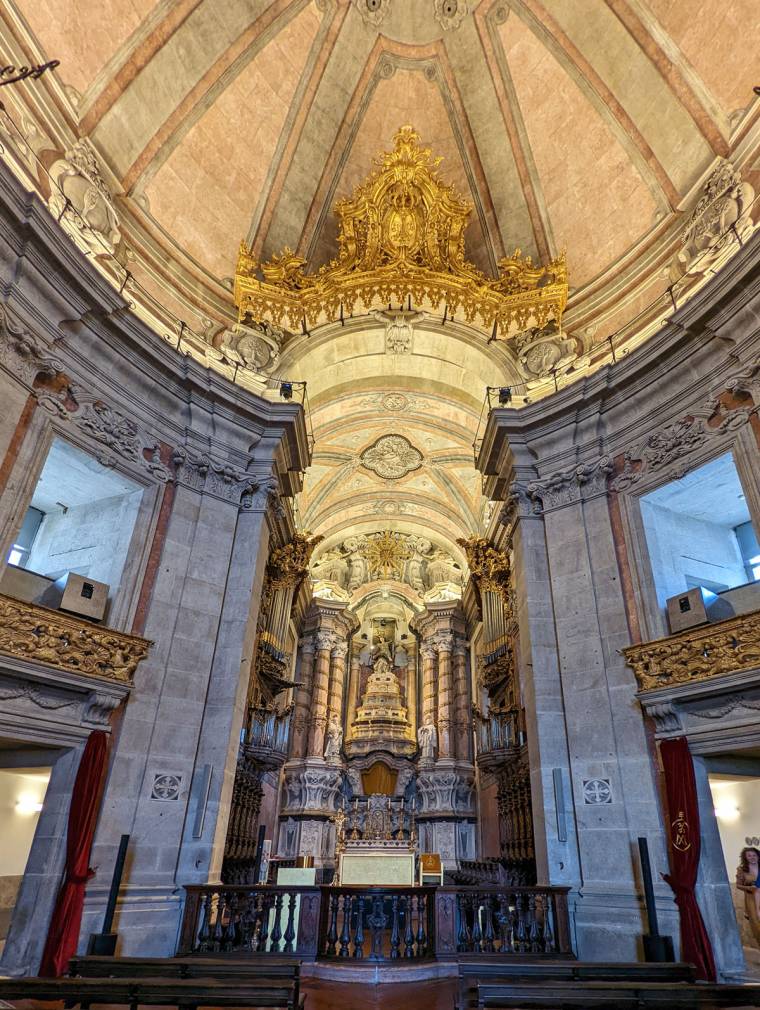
<point>586,77</point>
<point>330,102</point>
<point>202,96</point>
<point>291,135</point>
<point>671,71</point>
<point>131,57</point>
<point>511,115</point>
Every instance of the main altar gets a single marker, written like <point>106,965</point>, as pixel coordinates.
<point>376,845</point>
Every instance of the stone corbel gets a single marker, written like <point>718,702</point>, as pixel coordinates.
<point>666,716</point>
<point>98,708</point>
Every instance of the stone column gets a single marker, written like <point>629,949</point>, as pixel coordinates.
<point>353,687</point>
<point>445,644</point>
<point>462,708</point>
<point>325,642</point>
<point>302,699</point>
<point>337,680</point>
<point>429,656</point>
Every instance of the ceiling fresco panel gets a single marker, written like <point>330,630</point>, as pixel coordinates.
<point>721,41</point>
<point>203,194</point>
<point>82,35</point>
<point>622,65</point>
<point>598,203</point>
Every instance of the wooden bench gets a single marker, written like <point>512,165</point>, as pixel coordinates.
<point>220,968</point>
<point>187,994</point>
<point>472,971</point>
<point>615,996</point>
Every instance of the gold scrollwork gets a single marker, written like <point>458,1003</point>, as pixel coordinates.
<point>35,633</point>
<point>697,654</point>
<point>400,237</point>
<point>488,566</point>
<point>289,564</point>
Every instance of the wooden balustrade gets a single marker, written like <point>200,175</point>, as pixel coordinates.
<point>376,923</point>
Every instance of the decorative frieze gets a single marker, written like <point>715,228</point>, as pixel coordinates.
<point>38,634</point>
<point>697,654</point>
<point>446,791</point>
<point>568,487</point>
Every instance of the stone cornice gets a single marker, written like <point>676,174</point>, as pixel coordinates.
<point>67,304</point>
<point>617,408</point>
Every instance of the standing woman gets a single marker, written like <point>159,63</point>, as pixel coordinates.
<point>748,880</point>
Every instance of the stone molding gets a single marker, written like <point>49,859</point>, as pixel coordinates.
<point>309,788</point>
<point>447,790</point>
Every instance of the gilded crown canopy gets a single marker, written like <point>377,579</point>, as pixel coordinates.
<point>401,239</point>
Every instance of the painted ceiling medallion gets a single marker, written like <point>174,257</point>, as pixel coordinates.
<point>450,13</point>
<point>372,11</point>
<point>391,457</point>
<point>401,241</point>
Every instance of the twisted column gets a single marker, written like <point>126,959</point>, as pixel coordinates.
<point>462,717</point>
<point>444,642</point>
<point>325,642</point>
<point>302,700</point>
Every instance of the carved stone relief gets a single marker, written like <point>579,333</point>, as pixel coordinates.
<point>82,202</point>
<point>349,564</point>
<point>718,225</point>
<point>372,11</point>
<point>391,457</point>
<point>399,328</point>
<point>547,353</point>
<point>254,346</point>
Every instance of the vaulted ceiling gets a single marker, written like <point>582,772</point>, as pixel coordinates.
<point>584,126</point>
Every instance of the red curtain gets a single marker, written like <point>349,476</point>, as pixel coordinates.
<point>681,789</point>
<point>63,934</point>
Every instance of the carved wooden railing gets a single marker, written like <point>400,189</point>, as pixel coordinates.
<point>376,923</point>
<point>221,919</point>
<point>504,921</point>
<point>38,634</point>
<point>697,654</point>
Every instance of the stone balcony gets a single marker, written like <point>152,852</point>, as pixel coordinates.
<point>37,634</point>
<point>704,682</point>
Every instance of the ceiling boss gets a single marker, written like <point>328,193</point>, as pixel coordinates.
<point>401,239</point>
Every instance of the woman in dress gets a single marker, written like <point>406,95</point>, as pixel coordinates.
<point>748,880</point>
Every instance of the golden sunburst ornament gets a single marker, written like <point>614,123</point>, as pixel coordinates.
<point>386,554</point>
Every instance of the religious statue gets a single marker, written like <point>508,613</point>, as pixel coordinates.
<point>427,738</point>
<point>383,648</point>
<point>334,739</point>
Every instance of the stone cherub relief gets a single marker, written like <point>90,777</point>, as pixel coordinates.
<point>345,567</point>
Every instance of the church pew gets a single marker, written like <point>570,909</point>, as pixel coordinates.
<point>186,994</point>
<point>472,971</point>
<point>220,968</point>
<point>638,995</point>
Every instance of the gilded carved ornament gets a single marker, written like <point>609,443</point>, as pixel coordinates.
<point>401,240</point>
<point>488,566</point>
<point>289,564</point>
<point>37,634</point>
<point>697,654</point>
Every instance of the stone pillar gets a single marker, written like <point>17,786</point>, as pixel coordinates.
<point>462,705</point>
<point>353,687</point>
<point>304,674</point>
<point>429,657</point>
<point>325,642</point>
<point>445,643</point>
<point>337,680</point>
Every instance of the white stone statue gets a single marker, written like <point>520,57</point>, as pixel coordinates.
<point>334,739</point>
<point>427,738</point>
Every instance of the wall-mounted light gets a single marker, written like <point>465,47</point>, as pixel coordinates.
<point>505,395</point>
<point>726,810</point>
<point>286,390</point>
<point>28,804</point>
